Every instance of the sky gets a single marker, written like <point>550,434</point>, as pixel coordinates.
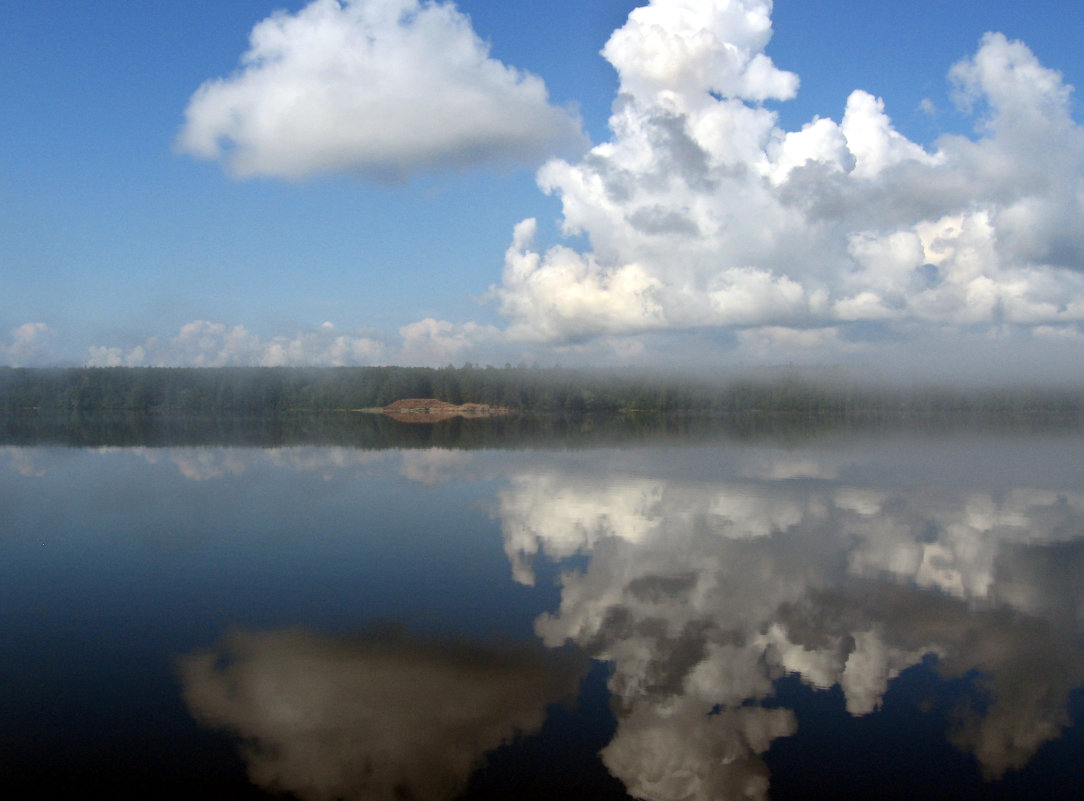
<point>708,184</point>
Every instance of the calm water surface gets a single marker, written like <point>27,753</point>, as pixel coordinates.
<point>888,614</point>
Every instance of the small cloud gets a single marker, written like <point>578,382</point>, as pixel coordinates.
<point>202,343</point>
<point>1062,333</point>
<point>434,342</point>
<point>28,345</point>
<point>381,88</point>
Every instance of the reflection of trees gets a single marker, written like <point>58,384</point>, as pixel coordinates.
<point>375,431</point>
<point>564,428</point>
<point>370,718</point>
<point>702,594</point>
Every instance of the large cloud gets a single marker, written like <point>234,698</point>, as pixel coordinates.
<point>383,88</point>
<point>701,211</point>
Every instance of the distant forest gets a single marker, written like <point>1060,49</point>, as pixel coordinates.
<point>264,391</point>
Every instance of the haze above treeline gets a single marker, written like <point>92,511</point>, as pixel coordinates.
<point>266,391</point>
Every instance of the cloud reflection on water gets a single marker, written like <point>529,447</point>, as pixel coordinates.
<point>704,575</point>
<point>375,717</point>
<point>205,463</point>
<point>703,592</point>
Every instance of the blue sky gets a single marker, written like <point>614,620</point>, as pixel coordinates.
<point>825,183</point>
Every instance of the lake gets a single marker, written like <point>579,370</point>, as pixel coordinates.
<point>500,609</point>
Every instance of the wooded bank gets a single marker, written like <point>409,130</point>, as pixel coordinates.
<point>273,390</point>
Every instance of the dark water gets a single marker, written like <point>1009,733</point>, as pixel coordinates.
<point>851,614</point>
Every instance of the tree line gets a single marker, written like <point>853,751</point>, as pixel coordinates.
<point>263,391</point>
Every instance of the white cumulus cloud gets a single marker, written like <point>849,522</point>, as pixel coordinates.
<point>702,212</point>
<point>203,343</point>
<point>382,88</point>
<point>434,342</point>
<point>28,344</point>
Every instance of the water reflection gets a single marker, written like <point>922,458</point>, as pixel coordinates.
<point>205,463</point>
<point>375,717</point>
<point>712,578</point>
<point>704,592</point>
